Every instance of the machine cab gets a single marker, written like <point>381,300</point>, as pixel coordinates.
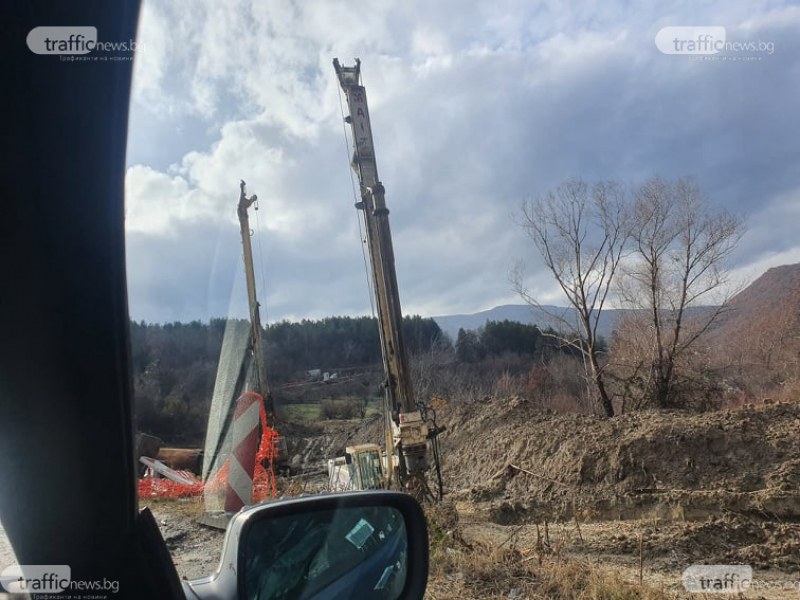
<point>361,468</point>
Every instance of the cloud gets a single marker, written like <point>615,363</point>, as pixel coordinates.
<point>473,107</point>
<point>155,201</point>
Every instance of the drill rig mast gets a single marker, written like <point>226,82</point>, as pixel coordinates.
<point>260,374</point>
<point>410,432</point>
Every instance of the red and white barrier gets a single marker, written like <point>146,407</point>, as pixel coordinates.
<point>246,437</point>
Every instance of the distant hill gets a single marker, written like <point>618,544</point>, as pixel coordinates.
<point>530,315</point>
<point>765,316</point>
<point>521,313</point>
<point>776,294</point>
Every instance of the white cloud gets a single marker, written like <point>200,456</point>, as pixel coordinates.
<point>783,17</point>
<point>156,202</point>
<point>152,60</point>
<point>474,107</point>
<point>771,238</point>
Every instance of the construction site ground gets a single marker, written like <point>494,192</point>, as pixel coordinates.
<point>537,500</point>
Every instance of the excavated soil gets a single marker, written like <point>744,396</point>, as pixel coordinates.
<point>522,464</point>
<point>648,492</point>
<point>310,445</point>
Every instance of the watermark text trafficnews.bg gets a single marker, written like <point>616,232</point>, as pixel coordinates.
<point>730,579</point>
<point>78,43</point>
<point>705,41</point>
<point>41,580</point>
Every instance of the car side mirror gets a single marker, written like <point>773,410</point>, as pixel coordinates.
<point>349,545</point>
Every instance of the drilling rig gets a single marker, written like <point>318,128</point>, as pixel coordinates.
<point>260,374</point>
<point>408,432</point>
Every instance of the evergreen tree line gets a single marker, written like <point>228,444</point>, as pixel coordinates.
<point>335,343</point>
<point>499,338</point>
<point>175,364</point>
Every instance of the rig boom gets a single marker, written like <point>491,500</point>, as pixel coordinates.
<point>410,430</point>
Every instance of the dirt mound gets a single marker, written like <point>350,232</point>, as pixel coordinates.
<point>532,463</point>
<point>310,445</point>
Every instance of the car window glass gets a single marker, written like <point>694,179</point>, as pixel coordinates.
<point>577,194</point>
<point>7,557</point>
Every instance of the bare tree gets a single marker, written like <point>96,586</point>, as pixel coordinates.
<point>580,231</point>
<point>679,247</point>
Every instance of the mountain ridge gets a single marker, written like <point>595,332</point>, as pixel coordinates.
<point>771,301</point>
<point>522,313</point>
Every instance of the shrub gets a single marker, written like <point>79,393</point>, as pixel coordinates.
<point>341,408</point>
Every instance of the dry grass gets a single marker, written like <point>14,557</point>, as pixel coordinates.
<point>464,571</point>
<point>508,573</point>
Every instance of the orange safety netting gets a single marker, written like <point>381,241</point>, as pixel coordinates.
<point>264,484</point>
<point>159,487</point>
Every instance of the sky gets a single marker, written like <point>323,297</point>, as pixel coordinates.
<point>475,107</point>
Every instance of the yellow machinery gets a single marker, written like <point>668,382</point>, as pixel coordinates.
<point>408,433</point>
<point>361,468</point>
